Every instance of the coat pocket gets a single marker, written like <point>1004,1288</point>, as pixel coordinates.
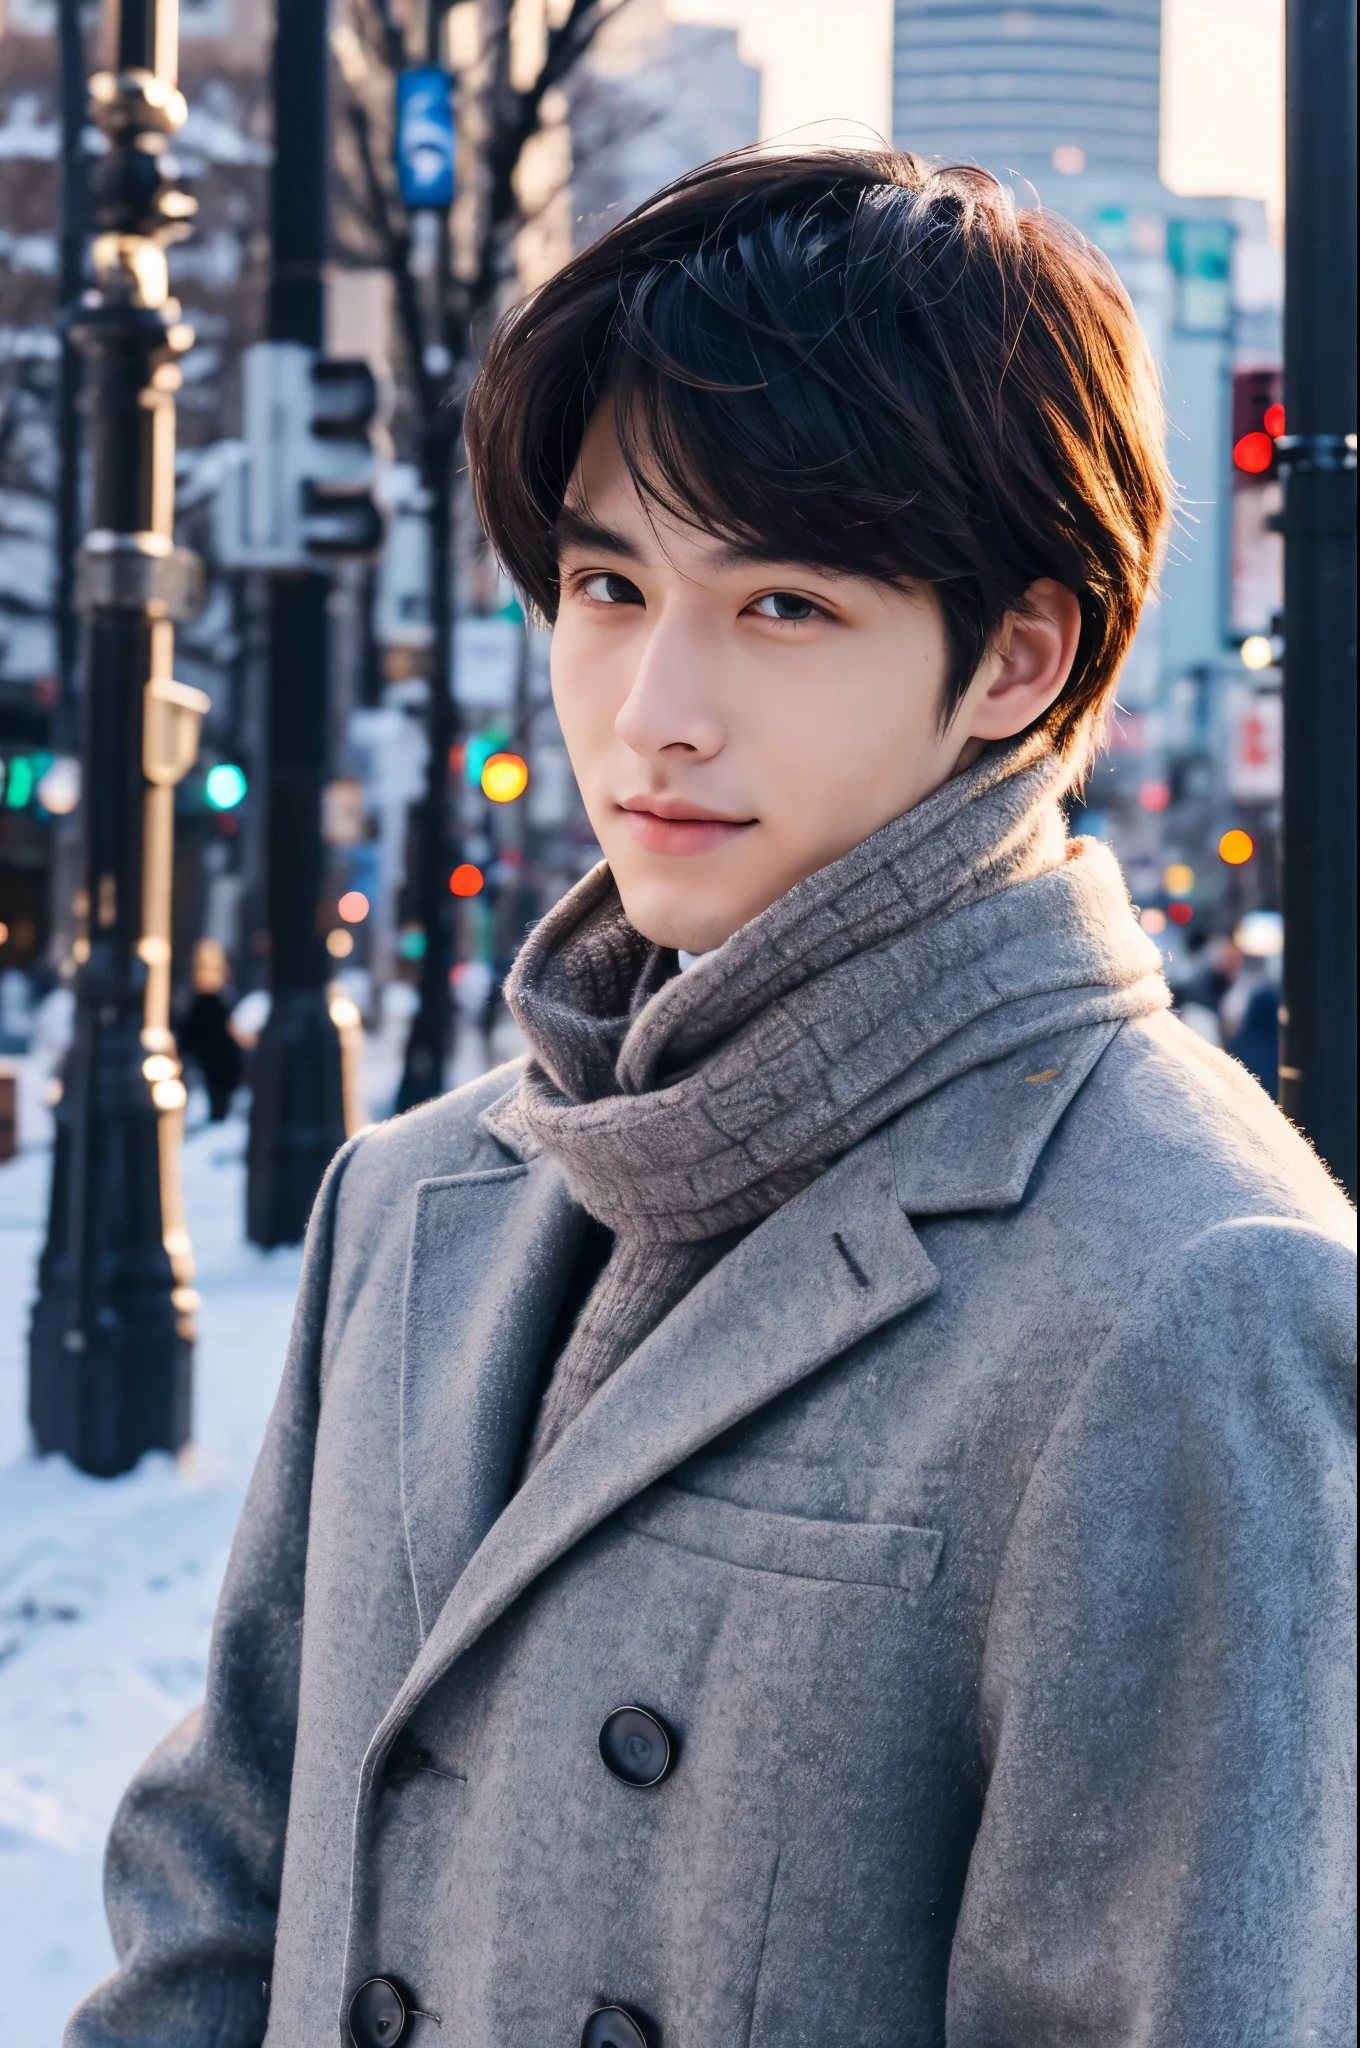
<point>896,1554</point>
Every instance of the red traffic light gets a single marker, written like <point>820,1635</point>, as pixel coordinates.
<point>1257,419</point>
<point>1254,453</point>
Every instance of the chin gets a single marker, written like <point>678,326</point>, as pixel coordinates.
<point>670,917</point>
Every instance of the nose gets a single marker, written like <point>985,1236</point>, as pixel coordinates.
<point>674,706</point>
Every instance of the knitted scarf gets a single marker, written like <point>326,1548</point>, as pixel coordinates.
<point>685,1108</point>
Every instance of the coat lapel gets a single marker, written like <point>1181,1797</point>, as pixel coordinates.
<point>818,1275</point>
<point>974,1144</point>
<point>489,1261</point>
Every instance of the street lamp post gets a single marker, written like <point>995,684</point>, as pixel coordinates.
<point>297,1117</point>
<point>111,1342</point>
<point>1317,462</point>
<point>71,277</point>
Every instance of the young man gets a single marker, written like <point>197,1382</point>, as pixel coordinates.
<point>814,1509</point>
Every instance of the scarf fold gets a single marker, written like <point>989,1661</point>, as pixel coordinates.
<point>686,1108</point>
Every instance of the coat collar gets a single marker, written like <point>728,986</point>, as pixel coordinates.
<point>974,1143</point>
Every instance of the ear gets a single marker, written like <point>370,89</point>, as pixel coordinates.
<point>1030,660</point>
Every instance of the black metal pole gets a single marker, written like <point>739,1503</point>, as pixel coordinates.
<point>297,1117</point>
<point>1317,461</point>
<point>71,278</point>
<point>429,1043</point>
<point>110,1357</point>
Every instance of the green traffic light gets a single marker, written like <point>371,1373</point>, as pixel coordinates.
<point>479,750</point>
<point>224,786</point>
<point>19,783</point>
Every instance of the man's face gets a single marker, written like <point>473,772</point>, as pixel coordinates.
<point>736,724</point>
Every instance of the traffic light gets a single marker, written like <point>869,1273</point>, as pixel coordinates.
<point>1257,421</point>
<point>224,786</point>
<point>299,489</point>
<point>1256,583</point>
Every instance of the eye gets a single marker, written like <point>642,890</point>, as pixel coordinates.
<point>786,606</point>
<point>609,588</point>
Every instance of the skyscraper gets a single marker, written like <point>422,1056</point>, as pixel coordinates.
<point>1029,89</point>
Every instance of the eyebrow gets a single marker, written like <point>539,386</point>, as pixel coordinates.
<point>576,530</point>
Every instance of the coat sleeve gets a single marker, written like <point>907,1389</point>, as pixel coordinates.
<point>1166,1853</point>
<point>191,1877</point>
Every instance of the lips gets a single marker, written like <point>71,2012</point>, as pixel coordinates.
<point>670,825</point>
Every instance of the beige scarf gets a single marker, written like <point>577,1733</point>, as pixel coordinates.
<point>684,1109</point>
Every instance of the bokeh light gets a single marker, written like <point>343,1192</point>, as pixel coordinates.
<point>1178,879</point>
<point>1274,420</point>
<point>1154,796</point>
<point>58,790</point>
<point>479,750</point>
<point>466,880</point>
<point>1153,922</point>
<point>224,786</point>
<point>339,944</point>
<point>1179,913</point>
<point>1254,454</point>
<point>1256,651</point>
<point>504,777</point>
<point>353,906</point>
<point>1260,935</point>
<point>1236,847</point>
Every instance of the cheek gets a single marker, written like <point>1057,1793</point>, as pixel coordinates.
<point>589,683</point>
<point>860,749</point>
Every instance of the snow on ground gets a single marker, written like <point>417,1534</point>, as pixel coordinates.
<point>107,1587</point>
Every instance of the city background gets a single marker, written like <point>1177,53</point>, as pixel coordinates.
<point>1157,129</point>
<point>1170,163</point>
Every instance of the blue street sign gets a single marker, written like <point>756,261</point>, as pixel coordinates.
<point>425,138</point>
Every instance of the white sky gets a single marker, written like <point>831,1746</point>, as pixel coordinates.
<point>827,71</point>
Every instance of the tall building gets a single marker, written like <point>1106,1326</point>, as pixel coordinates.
<point>654,99</point>
<point>1013,86</point>
<point>1062,102</point>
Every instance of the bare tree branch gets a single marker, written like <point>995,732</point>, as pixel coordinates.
<point>397,248</point>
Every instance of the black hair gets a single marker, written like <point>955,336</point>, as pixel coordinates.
<point>854,359</point>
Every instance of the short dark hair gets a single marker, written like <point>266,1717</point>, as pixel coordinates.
<point>858,359</point>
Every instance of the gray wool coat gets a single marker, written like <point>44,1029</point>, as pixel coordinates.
<point>980,1527</point>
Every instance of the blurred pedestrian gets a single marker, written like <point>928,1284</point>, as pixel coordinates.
<point>1249,1012</point>
<point>1257,1042</point>
<point>204,1033</point>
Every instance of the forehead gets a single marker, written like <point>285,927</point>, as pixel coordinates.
<point>604,512</point>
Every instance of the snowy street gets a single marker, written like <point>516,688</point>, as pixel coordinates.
<point>107,1589</point>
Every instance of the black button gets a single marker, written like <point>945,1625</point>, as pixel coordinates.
<point>377,2015</point>
<point>609,2026</point>
<point>636,1746</point>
